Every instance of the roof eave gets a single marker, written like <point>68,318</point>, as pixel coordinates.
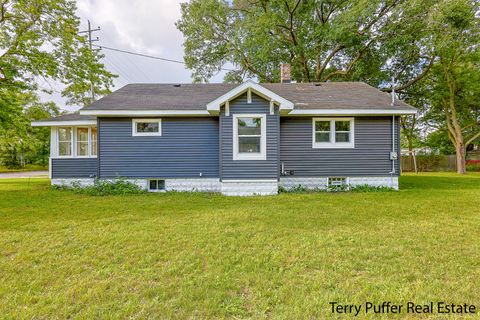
<point>350,112</point>
<point>59,123</point>
<point>144,113</point>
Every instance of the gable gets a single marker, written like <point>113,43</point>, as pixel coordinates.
<point>250,87</point>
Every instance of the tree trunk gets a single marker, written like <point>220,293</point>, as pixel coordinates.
<point>461,162</point>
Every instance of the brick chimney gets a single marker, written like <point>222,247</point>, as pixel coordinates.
<point>285,73</point>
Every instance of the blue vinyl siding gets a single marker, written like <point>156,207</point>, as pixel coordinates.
<point>187,147</point>
<point>74,168</point>
<point>370,157</point>
<point>249,169</point>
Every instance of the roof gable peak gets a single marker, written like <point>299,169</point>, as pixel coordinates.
<point>285,105</point>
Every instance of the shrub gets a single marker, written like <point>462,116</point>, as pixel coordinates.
<point>369,188</point>
<point>105,187</point>
<point>473,166</point>
<point>342,188</point>
<point>296,189</point>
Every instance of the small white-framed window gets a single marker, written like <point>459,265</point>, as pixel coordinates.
<point>65,142</point>
<point>249,137</point>
<point>146,127</point>
<point>334,182</point>
<point>333,133</point>
<point>156,185</point>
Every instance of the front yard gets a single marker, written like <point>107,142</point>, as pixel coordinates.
<point>175,255</point>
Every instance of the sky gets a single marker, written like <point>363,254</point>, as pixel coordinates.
<point>143,26</point>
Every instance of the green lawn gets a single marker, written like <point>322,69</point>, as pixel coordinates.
<point>65,255</point>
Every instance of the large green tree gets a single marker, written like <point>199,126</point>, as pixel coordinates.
<point>369,40</point>
<point>455,76</point>
<point>39,39</point>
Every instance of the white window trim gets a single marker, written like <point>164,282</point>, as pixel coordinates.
<point>332,144</point>
<point>263,139</point>
<point>54,141</point>
<point>146,134</point>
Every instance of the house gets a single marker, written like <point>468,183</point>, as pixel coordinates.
<point>236,139</point>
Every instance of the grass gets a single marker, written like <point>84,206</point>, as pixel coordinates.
<point>173,255</point>
<point>28,167</point>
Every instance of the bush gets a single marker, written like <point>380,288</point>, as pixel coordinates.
<point>104,188</point>
<point>341,188</point>
<point>474,167</point>
<point>369,188</point>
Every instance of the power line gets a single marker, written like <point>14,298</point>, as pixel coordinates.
<point>148,56</point>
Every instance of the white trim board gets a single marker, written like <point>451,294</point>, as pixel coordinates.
<point>348,112</point>
<point>213,107</point>
<point>65,123</point>
<point>135,113</point>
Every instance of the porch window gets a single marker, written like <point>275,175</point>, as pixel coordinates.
<point>333,133</point>
<point>82,142</point>
<point>65,142</point>
<point>93,150</point>
<point>249,137</point>
<point>76,142</point>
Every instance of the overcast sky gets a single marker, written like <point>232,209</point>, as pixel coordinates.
<point>143,26</point>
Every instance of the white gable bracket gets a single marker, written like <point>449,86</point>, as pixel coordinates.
<point>285,106</point>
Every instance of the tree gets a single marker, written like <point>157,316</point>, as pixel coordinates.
<point>40,39</point>
<point>19,141</point>
<point>456,74</point>
<point>368,40</point>
<point>411,125</point>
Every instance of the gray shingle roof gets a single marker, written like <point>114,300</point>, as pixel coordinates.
<point>327,95</point>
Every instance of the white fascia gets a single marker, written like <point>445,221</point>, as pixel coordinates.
<point>145,113</point>
<point>63,123</point>
<point>284,104</point>
<point>348,112</point>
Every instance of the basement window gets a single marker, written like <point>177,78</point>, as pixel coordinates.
<point>337,182</point>
<point>156,185</point>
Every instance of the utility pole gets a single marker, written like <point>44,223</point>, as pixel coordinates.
<point>89,32</point>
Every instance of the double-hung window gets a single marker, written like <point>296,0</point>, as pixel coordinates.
<point>65,142</point>
<point>82,142</point>
<point>146,127</point>
<point>93,135</point>
<point>333,133</point>
<point>249,137</point>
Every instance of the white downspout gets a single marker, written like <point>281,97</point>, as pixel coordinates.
<point>392,157</point>
<point>393,152</point>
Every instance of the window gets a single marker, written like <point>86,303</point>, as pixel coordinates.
<point>65,139</point>
<point>82,142</point>
<point>333,133</point>
<point>146,127</point>
<point>93,140</point>
<point>76,142</point>
<point>249,137</point>
<point>337,183</point>
<point>156,185</point>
